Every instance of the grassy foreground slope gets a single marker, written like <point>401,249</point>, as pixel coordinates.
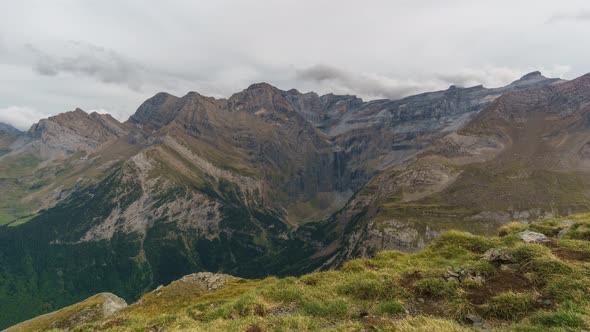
<point>460,282</point>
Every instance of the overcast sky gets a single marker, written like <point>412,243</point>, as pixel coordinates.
<point>111,55</point>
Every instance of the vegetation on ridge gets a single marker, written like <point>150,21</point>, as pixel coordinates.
<point>460,282</point>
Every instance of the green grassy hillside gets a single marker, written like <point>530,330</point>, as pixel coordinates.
<point>460,282</point>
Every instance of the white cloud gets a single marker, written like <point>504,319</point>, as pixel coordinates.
<point>374,49</point>
<point>21,117</point>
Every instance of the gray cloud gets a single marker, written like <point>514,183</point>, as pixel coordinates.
<point>363,84</point>
<point>105,65</point>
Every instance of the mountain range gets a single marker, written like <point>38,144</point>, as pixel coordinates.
<point>273,182</point>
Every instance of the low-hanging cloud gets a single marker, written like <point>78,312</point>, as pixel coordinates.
<point>494,76</point>
<point>20,116</point>
<point>363,84</point>
<point>97,62</point>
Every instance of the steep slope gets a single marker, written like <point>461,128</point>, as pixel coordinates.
<point>522,157</point>
<point>461,282</point>
<point>37,167</point>
<point>95,308</point>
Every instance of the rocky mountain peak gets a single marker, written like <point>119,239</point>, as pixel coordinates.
<point>262,98</point>
<point>156,111</point>
<point>529,80</point>
<point>261,86</point>
<point>532,75</point>
<point>75,130</point>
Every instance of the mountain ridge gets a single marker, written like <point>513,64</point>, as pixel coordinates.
<point>264,182</point>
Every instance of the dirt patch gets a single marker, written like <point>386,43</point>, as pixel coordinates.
<point>503,281</point>
<point>428,307</point>
<point>571,254</point>
<point>409,279</point>
<point>254,328</point>
<point>567,253</point>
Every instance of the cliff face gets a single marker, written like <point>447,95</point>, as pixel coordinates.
<point>523,157</point>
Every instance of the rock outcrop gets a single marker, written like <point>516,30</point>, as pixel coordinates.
<point>93,309</point>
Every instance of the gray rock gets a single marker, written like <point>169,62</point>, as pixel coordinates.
<point>499,255</point>
<point>562,233</point>
<point>205,280</point>
<point>452,274</point>
<point>567,223</point>
<point>528,236</point>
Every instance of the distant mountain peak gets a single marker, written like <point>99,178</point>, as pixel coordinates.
<point>261,86</point>
<point>532,75</point>
<point>6,128</point>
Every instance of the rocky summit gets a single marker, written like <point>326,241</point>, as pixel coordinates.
<point>274,182</point>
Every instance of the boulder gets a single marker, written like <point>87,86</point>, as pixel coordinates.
<point>528,236</point>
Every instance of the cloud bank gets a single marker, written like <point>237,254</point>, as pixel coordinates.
<point>64,54</point>
<point>105,65</point>
<point>20,116</point>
